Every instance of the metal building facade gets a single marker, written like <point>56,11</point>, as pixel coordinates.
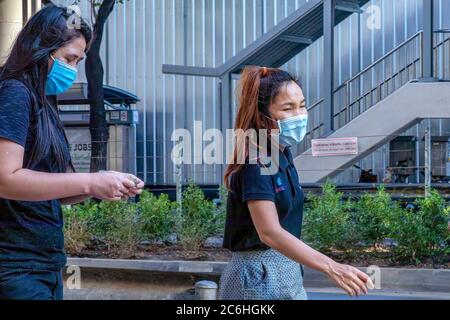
<point>142,35</point>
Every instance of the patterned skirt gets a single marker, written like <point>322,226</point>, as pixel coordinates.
<point>262,275</point>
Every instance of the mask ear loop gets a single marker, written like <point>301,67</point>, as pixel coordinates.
<point>278,122</point>
<point>64,64</point>
<point>54,61</point>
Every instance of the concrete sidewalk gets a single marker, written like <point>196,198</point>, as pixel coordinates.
<point>149,279</point>
<point>336,294</point>
<point>314,294</point>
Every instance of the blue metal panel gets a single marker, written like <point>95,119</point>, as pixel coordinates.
<point>143,34</point>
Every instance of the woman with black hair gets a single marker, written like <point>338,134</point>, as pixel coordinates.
<point>36,172</point>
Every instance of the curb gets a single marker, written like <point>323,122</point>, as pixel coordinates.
<point>423,280</point>
<point>191,267</point>
<point>420,280</point>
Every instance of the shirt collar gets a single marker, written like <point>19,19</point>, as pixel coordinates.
<point>285,158</point>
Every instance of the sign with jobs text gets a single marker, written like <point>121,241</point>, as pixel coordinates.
<point>80,148</point>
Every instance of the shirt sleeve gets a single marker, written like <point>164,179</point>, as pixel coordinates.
<point>255,185</point>
<point>15,106</point>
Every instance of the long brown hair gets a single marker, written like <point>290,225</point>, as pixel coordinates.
<point>257,89</point>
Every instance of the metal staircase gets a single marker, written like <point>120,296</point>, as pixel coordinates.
<point>315,19</point>
<point>360,106</point>
<point>378,110</point>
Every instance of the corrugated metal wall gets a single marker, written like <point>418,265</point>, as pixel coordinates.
<point>400,20</point>
<point>144,34</point>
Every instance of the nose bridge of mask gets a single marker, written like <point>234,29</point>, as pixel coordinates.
<point>293,123</point>
<point>290,123</point>
<point>66,66</point>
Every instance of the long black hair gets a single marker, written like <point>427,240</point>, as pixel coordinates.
<point>46,32</point>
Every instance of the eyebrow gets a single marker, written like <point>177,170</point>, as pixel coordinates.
<point>75,56</point>
<point>293,104</point>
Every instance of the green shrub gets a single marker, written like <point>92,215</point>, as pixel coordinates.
<point>436,215</point>
<point>157,216</point>
<point>327,223</point>
<point>423,234</point>
<point>117,223</point>
<point>220,213</point>
<point>198,218</point>
<point>122,225</point>
<point>410,234</point>
<point>77,226</point>
<point>113,223</point>
<point>372,216</point>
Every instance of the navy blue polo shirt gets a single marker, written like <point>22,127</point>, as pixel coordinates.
<point>282,188</point>
<point>31,233</point>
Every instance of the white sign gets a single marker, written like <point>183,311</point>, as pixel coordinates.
<point>334,147</point>
<point>80,148</point>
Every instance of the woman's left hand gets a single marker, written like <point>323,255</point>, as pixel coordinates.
<point>352,280</point>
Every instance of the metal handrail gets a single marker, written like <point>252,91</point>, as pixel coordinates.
<point>378,86</point>
<point>436,53</point>
<point>382,83</point>
<point>372,65</point>
<point>316,104</point>
<point>442,42</point>
<point>368,68</point>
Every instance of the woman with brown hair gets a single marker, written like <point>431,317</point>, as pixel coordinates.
<point>265,211</point>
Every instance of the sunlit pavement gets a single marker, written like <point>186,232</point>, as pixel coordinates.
<point>332,294</point>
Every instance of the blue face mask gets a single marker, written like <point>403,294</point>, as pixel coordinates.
<point>60,78</point>
<point>293,130</point>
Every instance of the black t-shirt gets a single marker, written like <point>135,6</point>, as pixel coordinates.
<point>31,233</point>
<point>283,188</point>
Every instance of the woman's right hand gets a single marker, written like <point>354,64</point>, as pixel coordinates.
<point>349,278</point>
<point>111,185</point>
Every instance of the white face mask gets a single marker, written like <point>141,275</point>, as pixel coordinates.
<point>292,130</point>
